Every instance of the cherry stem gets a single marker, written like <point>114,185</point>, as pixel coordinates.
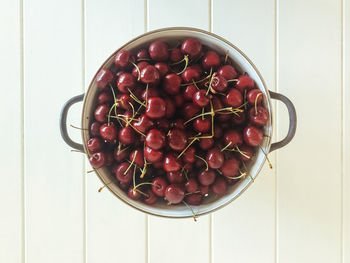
<point>197,116</point>
<point>198,81</point>
<point>144,169</point>
<point>267,158</point>
<point>179,62</point>
<point>196,192</point>
<point>194,139</point>
<point>195,84</point>
<point>101,188</point>
<point>194,214</point>
<point>93,170</point>
<point>138,70</point>
<point>146,96</point>
<point>75,127</point>
<point>238,177</point>
<point>241,152</point>
<point>210,82</point>
<point>232,80</point>
<point>206,164</point>
<point>77,151</point>
<point>245,167</point>
<point>144,183</point>
<point>132,95</point>
<point>226,56</point>
<point>185,67</point>
<point>256,103</point>
<point>184,171</point>
<point>228,145</point>
<point>132,162</point>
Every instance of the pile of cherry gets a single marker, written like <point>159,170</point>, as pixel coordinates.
<point>175,123</point>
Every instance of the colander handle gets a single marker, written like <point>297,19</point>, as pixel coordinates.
<point>292,120</point>
<point>63,122</point>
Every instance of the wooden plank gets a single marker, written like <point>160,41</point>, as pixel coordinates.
<point>115,232</point>
<point>309,169</point>
<point>53,175</point>
<point>165,235</point>
<point>11,155</point>
<point>245,230</point>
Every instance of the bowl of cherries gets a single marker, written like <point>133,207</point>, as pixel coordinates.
<point>177,122</point>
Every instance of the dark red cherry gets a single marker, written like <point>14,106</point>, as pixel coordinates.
<point>179,123</point>
<point>171,84</point>
<point>188,156</point>
<point>94,145</point>
<point>171,163</point>
<point>252,136</point>
<point>159,50</point>
<point>194,199</point>
<point>108,132</point>
<point>258,117</point>
<point>159,185</point>
<point>233,98</point>
<point>141,65</point>
<point>142,54</point>
<point>200,98</point>
<point>122,173</point>
<point>95,129</point>
<point>189,92</point>
<point>175,55</point>
<point>230,167</point>
<point>174,194</point>
<point>206,143</point>
<point>179,100</point>
<point>218,132</point>
<point>202,125</point>
<point>239,118</point>
<point>254,96</point>
<point>103,78</point>
<point>228,72</point>
<point>150,197</point>
<point>191,47</point>
<point>177,139</point>
<point>139,160</point>
<point>233,137</point>
<point>175,177</point>
<point>149,93</point>
<point>126,135</point>
<point>134,195</point>
<point>155,139</point>
<point>204,190</point>
<point>190,74</point>
<point>101,113</point>
<point>206,177</point>
<point>120,154</point>
<point>125,101</point>
<point>122,58</point>
<point>97,160</point>
<point>219,83</point>
<point>246,154</point>
<point>163,68</point>
<point>162,124</point>
<point>104,98</point>
<point>143,124</point>
<point>219,187</point>
<point>150,75</point>
<point>156,108</point>
<point>152,156</point>
<point>245,83</point>
<point>126,81</point>
<point>191,185</point>
<point>170,108</point>
<point>190,110</point>
<point>109,158</point>
<point>210,60</point>
<point>215,158</point>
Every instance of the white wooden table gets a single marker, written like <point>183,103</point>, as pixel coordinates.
<point>50,208</point>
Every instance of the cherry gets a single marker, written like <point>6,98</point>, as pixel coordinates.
<point>122,58</point>
<point>171,84</point>
<point>134,195</point>
<point>246,154</point>
<point>156,108</point>
<point>215,158</point>
<point>109,158</point>
<point>163,124</point>
<point>175,55</point>
<point>239,118</point>
<point>204,190</point>
<point>252,136</point>
<point>190,110</point>
<point>94,145</point>
<point>191,185</point>
<point>175,177</point>
<point>244,83</point>
<point>194,199</point>
<point>151,197</point>
<point>120,155</point>
<point>206,143</point>
<point>150,75</point>
<point>126,81</point>
<point>206,177</point>
<point>174,194</point>
<point>210,60</point>
<point>151,155</point>
<point>108,132</point>
<point>190,74</point>
<point>230,167</point>
<point>258,117</point>
<point>170,108</point>
<point>218,132</point>
<point>127,135</point>
<point>188,156</point>
<point>254,96</point>
<point>219,187</point>
<point>101,113</point>
<point>149,93</point>
<point>104,98</point>
<point>234,98</point>
<point>177,139</point>
<point>202,125</point>
<point>123,173</point>
<point>97,160</point>
<point>228,72</point>
<point>219,83</point>
<point>95,128</point>
<point>178,123</point>
<point>159,50</point>
<point>189,92</point>
<point>233,137</point>
<point>179,100</point>
<point>142,54</point>
<point>162,67</point>
<point>200,98</point>
<point>103,78</point>
<point>143,124</point>
<point>125,101</point>
<point>124,186</point>
<point>171,163</point>
<point>155,139</point>
<point>138,159</point>
<point>141,65</point>
<point>159,185</point>
<point>191,47</point>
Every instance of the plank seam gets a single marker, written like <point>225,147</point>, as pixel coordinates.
<point>342,148</point>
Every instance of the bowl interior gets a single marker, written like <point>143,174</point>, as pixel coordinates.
<point>242,63</point>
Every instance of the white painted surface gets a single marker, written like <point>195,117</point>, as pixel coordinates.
<point>51,210</point>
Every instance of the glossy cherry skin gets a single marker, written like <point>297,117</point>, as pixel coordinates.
<point>155,139</point>
<point>120,155</point>
<point>122,58</point>
<point>97,160</point>
<point>150,75</point>
<point>156,108</point>
<point>215,158</point>
<point>254,96</point>
<point>141,65</point>
<point>103,78</point>
<point>175,55</point>
<point>171,84</point>
<point>162,67</point>
<point>152,156</point>
<point>191,185</point>
<point>177,139</point>
<point>126,81</point>
<point>206,143</point>
<point>162,124</point>
<point>230,167</point>
<point>125,101</point>
<point>191,47</point>
<point>245,83</point>
<point>188,156</point>
<point>194,199</point>
<point>150,198</point>
<point>94,145</point>
<point>101,113</point>
<point>190,110</point>
<point>95,129</point>
<point>200,98</point>
<point>206,177</point>
<point>171,163</point>
<point>252,136</point>
<point>190,74</point>
<point>159,185</point>
<point>201,125</point>
<point>170,108</point>
<point>149,93</point>
<point>210,60</point>
<point>174,194</point>
<point>134,195</point>
<point>247,151</point>
<point>138,159</point>
<point>104,98</point>
<point>179,123</point>
<point>108,132</point>
<point>258,117</point>
<point>122,174</point>
<point>234,98</point>
<point>189,91</point>
<point>142,54</point>
<point>175,177</point>
<point>234,137</point>
<point>228,72</point>
<point>159,50</point>
<point>219,83</point>
<point>144,123</point>
<point>219,187</point>
<point>126,135</point>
